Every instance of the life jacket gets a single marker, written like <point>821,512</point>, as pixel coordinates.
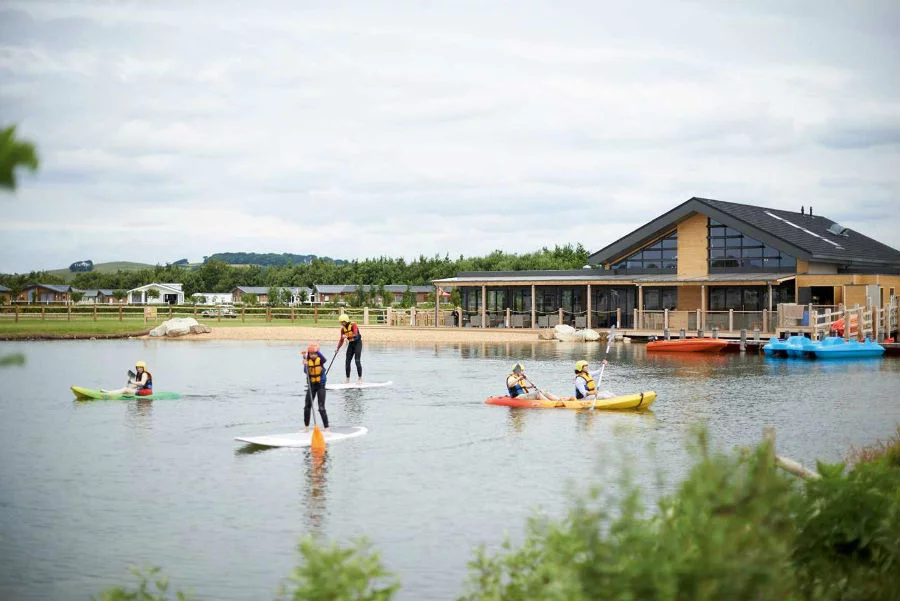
<point>348,333</point>
<point>589,384</point>
<point>514,385</point>
<point>314,368</point>
<point>149,384</point>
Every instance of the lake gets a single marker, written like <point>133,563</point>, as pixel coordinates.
<point>88,489</point>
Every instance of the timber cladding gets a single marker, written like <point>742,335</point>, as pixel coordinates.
<point>693,257</point>
<point>689,297</point>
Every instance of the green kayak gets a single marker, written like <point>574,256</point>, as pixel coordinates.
<point>87,394</point>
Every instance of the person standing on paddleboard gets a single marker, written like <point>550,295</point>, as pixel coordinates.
<point>314,368</point>
<point>139,385</point>
<point>350,333</point>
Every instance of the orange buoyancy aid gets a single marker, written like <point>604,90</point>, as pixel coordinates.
<point>589,385</point>
<point>349,334</point>
<point>314,368</point>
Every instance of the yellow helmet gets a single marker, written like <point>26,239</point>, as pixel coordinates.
<point>580,365</point>
<point>141,364</point>
<point>518,368</point>
<point>343,317</point>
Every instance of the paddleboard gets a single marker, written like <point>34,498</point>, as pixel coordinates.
<point>355,385</point>
<point>304,439</point>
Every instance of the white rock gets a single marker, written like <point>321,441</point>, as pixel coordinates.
<point>589,335</point>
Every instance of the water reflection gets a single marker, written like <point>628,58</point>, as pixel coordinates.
<point>354,405</point>
<point>139,413</point>
<point>516,419</point>
<point>316,490</point>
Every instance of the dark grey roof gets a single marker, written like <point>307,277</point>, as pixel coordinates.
<point>54,287</point>
<point>596,276</point>
<point>97,292</point>
<point>252,289</point>
<point>801,236</point>
<point>4,288</point>
<point>350,288</point>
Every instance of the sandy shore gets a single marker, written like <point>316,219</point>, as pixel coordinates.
<point>369,333</point>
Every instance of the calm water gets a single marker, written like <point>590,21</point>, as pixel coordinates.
<point>88,489</point>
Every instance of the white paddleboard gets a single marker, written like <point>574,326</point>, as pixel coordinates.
<point>304,439</point>
<point>355,385</point>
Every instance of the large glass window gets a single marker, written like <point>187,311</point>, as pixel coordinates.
<point>658,299</point>
<point>661,256</point>
<point>730,250</point>
<point>748,298</point>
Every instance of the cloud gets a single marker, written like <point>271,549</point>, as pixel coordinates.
<point>366,129</point>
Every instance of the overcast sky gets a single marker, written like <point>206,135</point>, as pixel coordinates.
<point>174,129</point>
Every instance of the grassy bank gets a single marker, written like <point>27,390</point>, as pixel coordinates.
<point>83,328</point>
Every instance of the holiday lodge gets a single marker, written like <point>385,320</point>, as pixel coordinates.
<point>704,264</point>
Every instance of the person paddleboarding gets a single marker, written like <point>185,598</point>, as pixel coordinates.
<point>350,333</point>
<point>314,368</point>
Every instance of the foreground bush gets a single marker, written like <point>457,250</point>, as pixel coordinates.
<point>736,529</point>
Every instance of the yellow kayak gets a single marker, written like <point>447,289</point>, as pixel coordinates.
<point>638,400</point>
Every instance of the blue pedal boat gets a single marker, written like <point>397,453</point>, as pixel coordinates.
<point>838,348</point>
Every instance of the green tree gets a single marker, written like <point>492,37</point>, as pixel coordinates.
<point>77,295</point>
<point>409,298</point>
<point>152,293</point>
<point>119,295</point>
<point>14,154</point>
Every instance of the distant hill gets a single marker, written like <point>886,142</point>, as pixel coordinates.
<point>243,258</point>
<point>103,268</point>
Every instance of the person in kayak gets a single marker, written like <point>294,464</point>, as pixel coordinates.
<point>314,368</point>
<point>585,387</point>
<point>139,385</point>
<point>518,386</point>
<point>350,333</point>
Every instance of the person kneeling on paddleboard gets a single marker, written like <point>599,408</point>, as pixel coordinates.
<point>139,384</point>
<point>518,386</point>
<point>350,333</point>
<point>585,387</point>
<point>314,368</point>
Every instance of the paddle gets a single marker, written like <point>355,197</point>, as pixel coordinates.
<point>330,363</point>
<point>318,440</point>
<point>609,341</point>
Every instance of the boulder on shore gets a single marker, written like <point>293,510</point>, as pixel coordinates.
<point>179,326</point>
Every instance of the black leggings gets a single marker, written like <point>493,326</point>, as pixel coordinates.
<point>354,349</point>
<point>316,390</point>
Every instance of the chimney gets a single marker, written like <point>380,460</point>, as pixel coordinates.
<point>810,210</point>
<point>802,210</point>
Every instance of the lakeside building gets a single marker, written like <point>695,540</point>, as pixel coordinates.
<point>706,263</point>
<point>383,295</point>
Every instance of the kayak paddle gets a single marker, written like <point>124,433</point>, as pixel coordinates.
<point>609,340</point>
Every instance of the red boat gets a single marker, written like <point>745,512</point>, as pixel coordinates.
<point>688,345</point>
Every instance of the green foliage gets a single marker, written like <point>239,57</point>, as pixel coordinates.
<point>152,293</point>
<point>77,295</point>
<point>724,535</point>
<point>332,573</point>
<point>251,300</point>
<point>242,258</point>
<point>409,298</point>
<point>152,586</point>
<point>119,294</point>
<point>848,543</point>
<point>14,154</point>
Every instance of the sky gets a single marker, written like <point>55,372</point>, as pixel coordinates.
<point>170,129</point>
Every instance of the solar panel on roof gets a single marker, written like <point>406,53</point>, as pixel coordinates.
<point>837,229</point>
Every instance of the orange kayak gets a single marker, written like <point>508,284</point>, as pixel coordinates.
<point>688,345</point>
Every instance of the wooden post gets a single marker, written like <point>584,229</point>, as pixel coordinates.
<point>16,310</point>
<point>702,316</point>
<point>731,320</point>
<point>618,317</point>
<point>588,323</point>
<point>292,315</point>
<point>43,313</point>
<point>68,312</point>
<point>560,315</point>
<point>483,305</point>
<point>639,321</point>
<point>699,324</point>
<point>390,316</point>
<point>533,307</point>
<point>170,311</point>
<point>316,314</point>
<point>814,322</point>
<point>121,312</point>
<point>765,320</point>
<point>412,316</point>
<point>666,320</point>
<point>507,317</point>
<point>366,315</point>
<point>95,311</point>
<point>243,309</point>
